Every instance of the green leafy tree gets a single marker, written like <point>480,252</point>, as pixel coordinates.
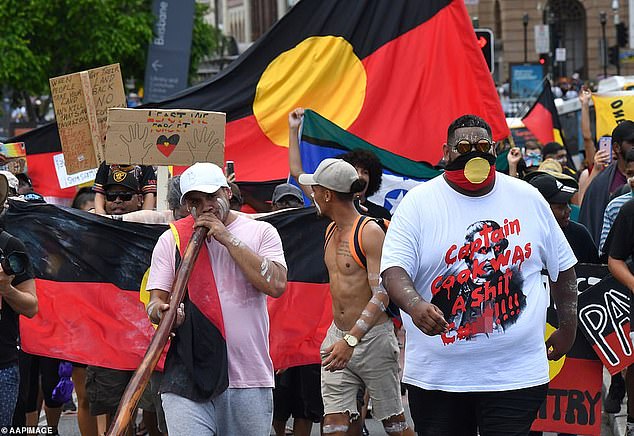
<point>49,38</point>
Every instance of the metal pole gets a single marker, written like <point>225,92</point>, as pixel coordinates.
<point>603,18</point>
<point>525,22</point>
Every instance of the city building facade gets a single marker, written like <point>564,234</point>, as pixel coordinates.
<point>575,25</point>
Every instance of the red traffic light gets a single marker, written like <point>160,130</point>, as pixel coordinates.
<point>542,61</point>
<point>482,41</point>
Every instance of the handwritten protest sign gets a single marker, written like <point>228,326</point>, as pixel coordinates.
<point>165,136</point>
<point>65,180</point>
<point>81,103</point>
<point>13,157</point>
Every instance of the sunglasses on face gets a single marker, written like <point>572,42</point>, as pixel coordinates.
<point>124,196</point>
<point>464,146</point>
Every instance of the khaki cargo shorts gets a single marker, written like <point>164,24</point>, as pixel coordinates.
<point>374,364</point>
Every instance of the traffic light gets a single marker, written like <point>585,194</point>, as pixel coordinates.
<point>621,35</point>
<point>613,55</point>
<point>544,59</point>
<point>485,41</point>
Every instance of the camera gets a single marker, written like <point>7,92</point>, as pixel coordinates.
<point>14,263</point>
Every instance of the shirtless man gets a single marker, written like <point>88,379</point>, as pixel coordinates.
<point>360,347</point>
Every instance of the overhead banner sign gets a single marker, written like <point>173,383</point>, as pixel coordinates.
<point>612,108</point>
<point>167,65</point>
<point>81,102</point>
<point>165,137</point>
<point>604,317</point>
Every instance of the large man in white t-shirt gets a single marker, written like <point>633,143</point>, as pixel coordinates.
<point>218,376</point>
<point>463,258</point>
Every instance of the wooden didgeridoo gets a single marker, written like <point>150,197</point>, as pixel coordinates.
<point>141,377</point>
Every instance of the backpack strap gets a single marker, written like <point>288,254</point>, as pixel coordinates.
<point>356,241</point>
<point>330,230</point>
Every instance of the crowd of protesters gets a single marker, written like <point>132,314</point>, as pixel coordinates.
<point>439,269</point>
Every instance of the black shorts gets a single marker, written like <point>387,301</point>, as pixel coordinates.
<point>36,371</point>
<point>439,413</point>
<point>298,392</point>
<point>105,388</point>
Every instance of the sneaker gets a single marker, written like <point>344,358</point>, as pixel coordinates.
<point>614,398</point>
<point>629,430</point>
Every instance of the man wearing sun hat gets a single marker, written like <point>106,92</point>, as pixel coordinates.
<point>558,189</point>
<point>218,375</point>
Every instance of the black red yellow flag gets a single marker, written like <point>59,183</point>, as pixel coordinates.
<point>90,269</point>
<point>543,120</point>
<point>395,73</point>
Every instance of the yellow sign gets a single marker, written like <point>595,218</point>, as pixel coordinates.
<point>612,108</point>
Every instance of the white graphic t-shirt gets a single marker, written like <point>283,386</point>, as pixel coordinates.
<point>479,259</point>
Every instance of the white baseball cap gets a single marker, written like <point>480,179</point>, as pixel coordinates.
<point>203,177</point>
<point>335,174</point>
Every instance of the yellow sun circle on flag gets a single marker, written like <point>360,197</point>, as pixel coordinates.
<point>321,73</point>
<point>554,366</point>
<point>477,170</point>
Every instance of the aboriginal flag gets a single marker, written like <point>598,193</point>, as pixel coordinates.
<point>542,119</point>
<point>90,269</point>
<point>395,73</point>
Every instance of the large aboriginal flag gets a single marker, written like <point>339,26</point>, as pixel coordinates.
<point>89,270</point>
<point>394,73</point>
<point>542,120</point>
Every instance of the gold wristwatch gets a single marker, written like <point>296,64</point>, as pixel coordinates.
<point>351,340</point>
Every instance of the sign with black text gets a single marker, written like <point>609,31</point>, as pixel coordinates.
<point>604,317</point>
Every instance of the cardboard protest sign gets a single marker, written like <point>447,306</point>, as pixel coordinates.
<point>81,102</point>
<point>13,157</point>
<point>165,137</point>
<point>66,180</point>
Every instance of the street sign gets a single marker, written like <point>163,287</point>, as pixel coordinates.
<point>167,66</point>
<point>626,56</point>
<point>560,54</point>
<point>542,39</point>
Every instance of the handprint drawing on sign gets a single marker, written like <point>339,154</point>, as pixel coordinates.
<point>137,134</point>
<point>202,140</point>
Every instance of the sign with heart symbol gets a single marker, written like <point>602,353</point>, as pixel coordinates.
<point>165,137</point>
<point>167,145</point>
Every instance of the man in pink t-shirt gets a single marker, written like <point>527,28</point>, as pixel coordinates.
<point>218,376</point>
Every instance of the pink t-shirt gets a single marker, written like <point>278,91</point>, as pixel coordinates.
<point>243,307</point>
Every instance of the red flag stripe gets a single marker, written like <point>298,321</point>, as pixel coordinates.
<point>92,323</point>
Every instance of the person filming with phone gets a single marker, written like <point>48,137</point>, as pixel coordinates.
<point>610,179</point>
